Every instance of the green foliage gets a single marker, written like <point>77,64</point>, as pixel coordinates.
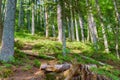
<point>4,72</point>
<point>105,56</point>
<point>8,65</point>
<point>19,54</point>
<point>107,71</point>
<point>83,47</point>
<point>19,44</point>
<point>37,63</point>
<point>25,36</point>
<point>46,47</point>
<point>62,58</point>
<point>19,58</point>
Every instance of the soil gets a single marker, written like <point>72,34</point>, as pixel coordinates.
<point>19,73</point>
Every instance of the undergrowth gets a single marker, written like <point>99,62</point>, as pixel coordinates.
<point>50,46</point>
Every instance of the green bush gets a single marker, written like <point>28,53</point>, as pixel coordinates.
<point>37,63</point>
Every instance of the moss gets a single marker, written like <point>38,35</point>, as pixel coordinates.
<point>5,72</point>
<point>37,63</point>
<point>51,76</point>
<point>19,44</point>
<point>46,47</point>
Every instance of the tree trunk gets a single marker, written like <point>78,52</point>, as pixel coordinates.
<point>103,27</point>
<point>72,23</point>
<point>46,20</point>
<point>81,27</point>
<point>21,17</point>
<point>7,49</point>
<point>28,17</point>
<point>61,27</point>
<point>59,20</point>
<point>76,27</point>
<point>117,29</point>
<point>33,18</point>
<point>3,9</point>
<point>53,29</point>
<point>1,26</point>
<point>91,25</point>
<point>55,68</point>
<point>69,26</point>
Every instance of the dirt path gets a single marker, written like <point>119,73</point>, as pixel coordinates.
<point>20,73</point>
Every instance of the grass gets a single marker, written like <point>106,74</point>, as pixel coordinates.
<point>106,71</point>
<point>46,46</point>
<point>50,46</point>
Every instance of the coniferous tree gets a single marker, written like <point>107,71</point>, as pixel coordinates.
<point>7,49</point>
<point>1,26</point>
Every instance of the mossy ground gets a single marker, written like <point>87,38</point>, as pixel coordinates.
<point>51,46</point>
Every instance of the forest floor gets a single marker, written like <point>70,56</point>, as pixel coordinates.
<point>32,51</point>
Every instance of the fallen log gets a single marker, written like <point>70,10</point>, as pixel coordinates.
<point>31,53</point>
<point>72,72</point>
<point>55,68</point>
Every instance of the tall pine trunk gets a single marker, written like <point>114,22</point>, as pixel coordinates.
<point>72,24</point>
<point>91,25</point>
<point>61,27</point>
<point>46,21</point>
<point>69,26</point>
<point>76,27</point>
<point>81,27</point>
<point>7,49</point>
<point>28,17</point>
<point>59,21</point>
<point>1,26</point>
<point>21,16</point>
<point>33,18</point>
<point>103,27</point>
<point>117,29</point>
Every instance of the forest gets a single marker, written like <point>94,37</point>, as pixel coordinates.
<point>59,40</point>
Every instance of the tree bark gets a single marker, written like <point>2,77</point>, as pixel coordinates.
<point>3,9</point>
<point>7,49</point>
<point>91,25</point>
<point>72,22</point>
<point>21,17</point>
<point>28,17</point>
<point>33,18</point>
<point>59,20</point>
<point>55,68</point>
<point>69,26</point>
<point>53,29</point>
<point>103,27</point>
<point>47,27</point>
<point>117,28</point>
<point>1,26</point>
<point>81,27</point>
<point>76,27</point>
